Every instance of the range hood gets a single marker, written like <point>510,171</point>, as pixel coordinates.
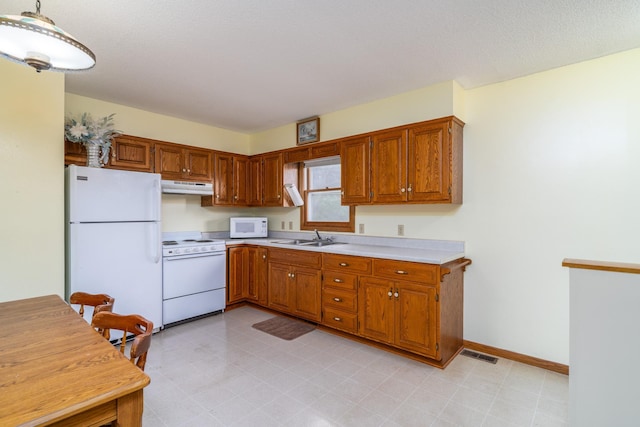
<point>186,187</point>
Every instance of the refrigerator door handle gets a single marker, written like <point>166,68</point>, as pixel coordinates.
<point>158,243</point>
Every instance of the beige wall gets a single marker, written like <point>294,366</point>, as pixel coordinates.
<point>31,193</point>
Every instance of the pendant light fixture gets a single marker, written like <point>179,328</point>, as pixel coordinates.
<point>34,39</point>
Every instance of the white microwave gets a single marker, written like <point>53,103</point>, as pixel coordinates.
<point>247,227</point>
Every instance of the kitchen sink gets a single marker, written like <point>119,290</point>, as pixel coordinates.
<point>301,242</point>
<point>319,243</point>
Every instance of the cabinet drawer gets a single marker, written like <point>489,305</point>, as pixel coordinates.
<point>338,279</point>
<point>349,263</point>
<point>340,320</point>
<point>404,270</point>
<point>339,299</point>
<point>296,257</point>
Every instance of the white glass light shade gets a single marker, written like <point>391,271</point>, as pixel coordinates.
<point>30,39</point>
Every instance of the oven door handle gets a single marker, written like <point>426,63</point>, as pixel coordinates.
<point>186,256</point>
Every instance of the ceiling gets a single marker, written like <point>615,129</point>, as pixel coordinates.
<point>253,65</point>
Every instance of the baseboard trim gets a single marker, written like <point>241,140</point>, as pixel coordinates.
<point>517,357</point>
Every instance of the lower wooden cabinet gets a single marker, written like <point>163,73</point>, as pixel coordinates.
<point>403,314</point>
<point>247,274</point>
<point>295,283</point>
<point>413,308</point>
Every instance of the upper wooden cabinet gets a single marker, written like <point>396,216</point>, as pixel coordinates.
<point>272,181</point>
<point>230,184</point>
<point>132,153</point>
<point>254,182</point>
<point>418,163</point>
<point>355,171</point>
<point>127,153</point>
<point>180,162</point>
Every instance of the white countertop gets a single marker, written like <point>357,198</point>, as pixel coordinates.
<point>435,254</point>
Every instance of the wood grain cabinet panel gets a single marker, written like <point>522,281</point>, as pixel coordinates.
<point>247,274</point>
<point>295,281</point>
<point>178,162</point>
<point>131,153</point>
<point>230,184</point>
<point>355,171</point>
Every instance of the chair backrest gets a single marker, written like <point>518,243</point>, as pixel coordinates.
<point>99,302</point>
<point>129,324</point>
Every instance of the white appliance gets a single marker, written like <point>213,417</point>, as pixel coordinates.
<point>187,187</point>
<point>113,239</point>
<point>248,227</point>
<point>194,276</point>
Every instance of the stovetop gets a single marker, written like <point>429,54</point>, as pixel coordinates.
<point>191,242</point>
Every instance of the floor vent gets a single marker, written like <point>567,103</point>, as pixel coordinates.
<point>480,356</point>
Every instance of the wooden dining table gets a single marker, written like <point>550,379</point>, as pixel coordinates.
<point>55,369</point>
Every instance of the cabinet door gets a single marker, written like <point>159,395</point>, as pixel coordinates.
<point>280,287</point>
<point>375,309</point>
<point>416,321</point>
<point>237,274</point>
<point>389,167</point>
<point>130,153</point>
<point>254,182</point>
<point>428,173</point>
<point>257,283</point>
<point>198,165</point>
<point>223,164</point>
<point>169,161</point>
<point>307,293</point>
<point>240,178</point>
<point>355,171</point>
<point>74,154</point>
<point>272,182</point>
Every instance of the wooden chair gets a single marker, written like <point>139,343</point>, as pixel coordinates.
<point>99,302</point>
<point>135,324</point>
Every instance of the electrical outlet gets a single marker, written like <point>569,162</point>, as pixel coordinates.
<point>290,225</point>
<point>361,228</point>
<point>400,229</point>
<point>282,225</point>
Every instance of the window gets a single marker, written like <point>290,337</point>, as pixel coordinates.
<point>322,193</point>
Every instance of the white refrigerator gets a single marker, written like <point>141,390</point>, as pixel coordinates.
<point>114,239</point>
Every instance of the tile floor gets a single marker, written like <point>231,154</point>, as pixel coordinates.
<point>219,371</point>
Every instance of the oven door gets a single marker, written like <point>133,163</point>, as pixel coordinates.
<point>191,274</point>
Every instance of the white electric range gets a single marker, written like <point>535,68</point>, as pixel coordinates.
<point>194,272</point>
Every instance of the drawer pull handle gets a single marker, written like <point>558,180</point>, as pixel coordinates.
<point>336,299</point>
<point>338,280</point>
<point>344,264</point>
<point>337,319</point>
<point>401,272</point>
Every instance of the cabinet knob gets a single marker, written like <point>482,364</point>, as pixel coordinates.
<point>189,170</point>
<point>337,319</point>
<point>278,196</point>
<point>336,299</point>
<point>401,272</point>
<point>338,280</point>
<point>184,170</point>
<point>235,197</point>
<point>390,293</point>
<point>217,196</point>
<point>402,190</point>
<point>264,257</point>
<point>395,294</point>
<point>342,193</point>
<point>409,189</point>
<point>293,275</point>
<point>344,264</point>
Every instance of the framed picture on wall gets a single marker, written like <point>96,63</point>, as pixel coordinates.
<point>308,131</point>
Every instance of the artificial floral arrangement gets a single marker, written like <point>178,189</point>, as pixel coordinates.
<point>92,133</point>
